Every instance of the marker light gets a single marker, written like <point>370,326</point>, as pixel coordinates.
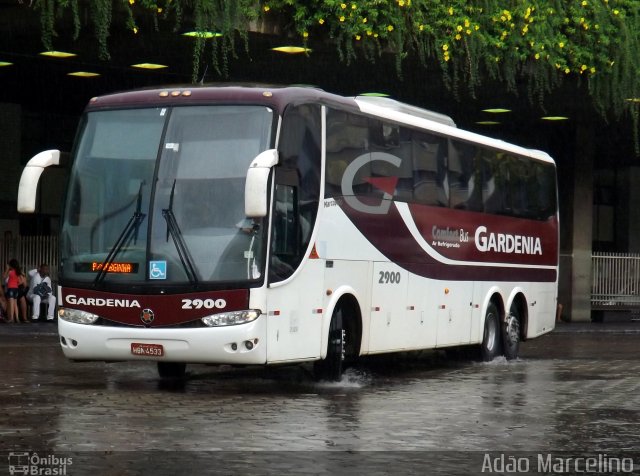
<point>232,318</point>
<point>202,34</point>
<point>496,110</point>
<point>149,66</point>
<point>58,54</point>
<point>554,118</point>
<point>5,63</point>
<point>83,74</point>
<point>77,316</point>
<point>292,49</point>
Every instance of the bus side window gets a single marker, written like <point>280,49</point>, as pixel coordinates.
<point>463,190</point>
<point>429,169</point>
<point>285,240</point>
<point>347,139</point>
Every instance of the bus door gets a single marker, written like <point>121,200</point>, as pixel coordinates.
<point>295,296</point>
<point>389,329</point>
<point>454,301</point>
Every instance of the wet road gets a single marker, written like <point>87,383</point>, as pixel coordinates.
<point>574,391</point>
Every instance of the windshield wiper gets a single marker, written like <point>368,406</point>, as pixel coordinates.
<point>131,229</point>
<point>174,230</point>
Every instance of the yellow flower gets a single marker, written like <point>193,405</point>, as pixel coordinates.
<point>450,10</point>
<point>266,7</point>
<point>305,34</point>
<point>616,12</point>
<point>421,27</point>
<point>593,69</point>
<point>353,6</point>
<point>584,3</point>
<point>135,30</point>
<point>583,67</point>
<point>375,35</point>
<point>445,47</point>
<point>537,56</point>
<point>369,33</point>
<point>364,20</point>
<point>458,37</point>
<point>466,23</point>
<point>468,32</point>
<point>561,44</point>
<point>525,29</point>
<point>343,5</point>
<point>477,27</point>
<point>567,71</point>
<point>390,28</point>
<point>131,2</point>
<point>459,28</point>
<point>358,37</point>
<point>341,18</point>
<point>401,3</point>
<point>321,21</point>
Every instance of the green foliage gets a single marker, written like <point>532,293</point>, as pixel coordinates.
<point>540,42</point>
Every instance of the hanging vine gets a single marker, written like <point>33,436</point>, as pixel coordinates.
<point>541,42</point>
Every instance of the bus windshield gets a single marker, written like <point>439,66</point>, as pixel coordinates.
<point>157,194</point>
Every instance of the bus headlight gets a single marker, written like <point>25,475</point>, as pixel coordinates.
<point>77,316</point>
<point>231,318</point>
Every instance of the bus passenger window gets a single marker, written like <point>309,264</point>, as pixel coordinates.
<point>463,192</point>
<point>429,170</point>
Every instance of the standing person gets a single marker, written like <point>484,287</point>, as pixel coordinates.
<point>11,275</point>
<point>23,287</point>
<point>40,291</point>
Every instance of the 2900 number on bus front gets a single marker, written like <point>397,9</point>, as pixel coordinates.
<point>204,303</point>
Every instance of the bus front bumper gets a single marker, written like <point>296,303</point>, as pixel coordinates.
<point>239,344</point>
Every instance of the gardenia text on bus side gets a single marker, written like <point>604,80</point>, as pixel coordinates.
<point>505,243</point>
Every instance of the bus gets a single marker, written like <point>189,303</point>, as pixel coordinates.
<point>250,225</point>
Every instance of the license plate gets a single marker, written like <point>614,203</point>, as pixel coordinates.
<point>152,350</point>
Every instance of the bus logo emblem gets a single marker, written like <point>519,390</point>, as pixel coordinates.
<point>147,316</point>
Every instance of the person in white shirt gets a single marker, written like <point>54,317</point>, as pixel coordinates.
<point>37,276</point>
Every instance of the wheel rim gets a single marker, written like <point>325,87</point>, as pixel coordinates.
<point>512,329</point>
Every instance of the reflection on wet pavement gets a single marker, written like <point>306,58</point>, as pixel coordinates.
<point>568,392</point>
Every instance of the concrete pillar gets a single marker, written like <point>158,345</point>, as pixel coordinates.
<point>627,219</point>
<point>581,221</point>
<point>10,141</point>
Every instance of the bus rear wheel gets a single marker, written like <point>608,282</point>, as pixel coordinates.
<point>511,333</point>
<point>332,366</point>
<point>492,338</point>
<point>172,370</point>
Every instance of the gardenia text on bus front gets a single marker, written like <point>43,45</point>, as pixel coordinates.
<point>486,241</point>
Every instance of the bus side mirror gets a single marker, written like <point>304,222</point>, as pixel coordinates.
<point>257,184</point>
<point>30,177</point>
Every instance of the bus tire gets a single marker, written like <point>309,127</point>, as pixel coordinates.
<point>332,366</point>
<point>511,333</point>
<point>492,338</point>
<point>172,370</point>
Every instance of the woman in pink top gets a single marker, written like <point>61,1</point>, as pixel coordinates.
<point>12,276</point>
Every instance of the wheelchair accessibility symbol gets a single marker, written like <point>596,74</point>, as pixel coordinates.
<point>158,270</point>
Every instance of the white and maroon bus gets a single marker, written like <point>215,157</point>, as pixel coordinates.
<point>257,225</point>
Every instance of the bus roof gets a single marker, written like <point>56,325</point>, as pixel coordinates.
<point>278,97</point>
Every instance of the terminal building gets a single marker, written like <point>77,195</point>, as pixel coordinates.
<point>42,98</point>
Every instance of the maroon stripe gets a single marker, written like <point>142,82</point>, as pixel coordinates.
<point>389,234</point>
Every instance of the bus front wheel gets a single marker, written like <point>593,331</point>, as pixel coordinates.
<point>491,340</point>
<point>332,366</point>
<point>172,370</point>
